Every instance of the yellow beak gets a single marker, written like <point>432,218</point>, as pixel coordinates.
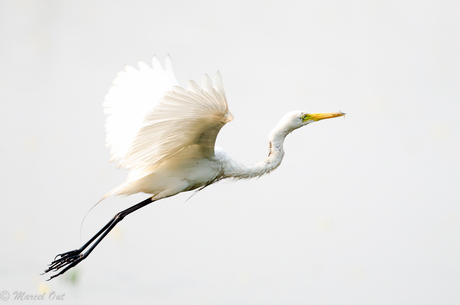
<point>322,116</point>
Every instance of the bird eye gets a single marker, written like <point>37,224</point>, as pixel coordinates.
<point>304,117</point>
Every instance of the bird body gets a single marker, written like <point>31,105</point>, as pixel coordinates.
<point>165,136</point>
<point>184,172</point>
<point>190,169</point>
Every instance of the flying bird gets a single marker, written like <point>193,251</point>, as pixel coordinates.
<point>165,134</point>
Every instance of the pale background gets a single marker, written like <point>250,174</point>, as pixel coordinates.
<point>363,210</point>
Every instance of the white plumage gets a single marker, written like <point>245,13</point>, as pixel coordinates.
<point>152,120</point>
<point>165,136</point>
<point>134,93</point>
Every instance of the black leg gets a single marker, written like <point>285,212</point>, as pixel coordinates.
<point>72,258</point>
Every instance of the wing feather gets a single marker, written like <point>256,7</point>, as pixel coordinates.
<point>133,94</point>
<point>170,70</point>
<point>151,119</point>
<point>182,119</point>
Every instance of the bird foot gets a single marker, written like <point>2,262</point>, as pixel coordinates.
<point>65,261</point>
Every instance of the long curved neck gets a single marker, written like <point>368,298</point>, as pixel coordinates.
<point>233,169</point>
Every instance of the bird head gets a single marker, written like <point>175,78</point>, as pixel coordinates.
<point>297,119</point>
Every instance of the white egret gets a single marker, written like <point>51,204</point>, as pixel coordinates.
<point>165,134</point>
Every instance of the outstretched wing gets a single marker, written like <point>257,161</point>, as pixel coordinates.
<point>184,117</point>
<point>134,93</point>
<point>150,120</point>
